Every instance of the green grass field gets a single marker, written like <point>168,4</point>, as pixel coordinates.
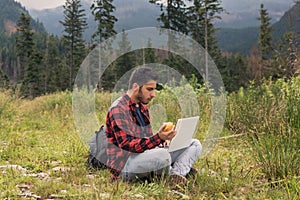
<point>256,156</point>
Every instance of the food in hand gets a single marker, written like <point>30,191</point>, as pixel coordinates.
<point>169,126</point>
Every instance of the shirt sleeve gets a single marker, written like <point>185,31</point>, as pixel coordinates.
<point>126,139</point>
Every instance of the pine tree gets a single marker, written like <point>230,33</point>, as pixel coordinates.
<point>32,77</point>
<point>4,80</point>
<point>24,45</point>
<point>201,17</point>
<point>55,72</point>
<point>265,31</point>
<point>125,61</point>
<point>74,26</point>
<point>149,55</point>
<point>174,16</point>
<point>30,59</point>
<point>102,11</point>
<point>235,73</point>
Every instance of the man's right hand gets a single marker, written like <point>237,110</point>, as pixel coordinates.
<point>166,135</point>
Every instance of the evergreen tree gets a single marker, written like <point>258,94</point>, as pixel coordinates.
<point>265,31</point>
<point>235,73</point>
<point>126,59</point>
<point>149,55</point>
<point>4,80</point>
<point>32,81</point>
<point>55,73</point>
<point>74,26</point>
<point>201,17</point>
<point>173,16</point>
<point>24,45</point>
<point>102,11</point>
<point>30,59</point>
<point>145,55</point>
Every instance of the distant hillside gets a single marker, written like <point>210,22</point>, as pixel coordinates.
<point>237,40</point>
<point>289,22</point>
<point>242,40</point>
<point>244,13</point>
<point>10,12</point>
<point>130,13</point>
<point>140,13</point>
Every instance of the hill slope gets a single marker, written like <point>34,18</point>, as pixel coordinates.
<point>242,40</point>
<point>130,13</point>
<point>237,40</point>
<point>10,12</point>
<point>289,22</point>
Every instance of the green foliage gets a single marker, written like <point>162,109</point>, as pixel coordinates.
<point>233,69</point>
<point>24,44</point>
<point>102,11</point>
<point>201,18</point>
<point>269,114</point>
<point>74,25</point>
<point>11,11</point>
<point>40,137</point>
<point>4,80</point>
<point>24,54</point>
<point>173,16</point>
<point>287,23</point>
<point>265,33</point>
<point>237,40</point>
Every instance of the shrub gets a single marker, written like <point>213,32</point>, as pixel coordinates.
<point>269,114</point>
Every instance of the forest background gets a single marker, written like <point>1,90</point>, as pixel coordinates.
<point>256,157</point>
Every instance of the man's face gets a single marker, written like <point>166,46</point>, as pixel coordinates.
<point>147,92</point>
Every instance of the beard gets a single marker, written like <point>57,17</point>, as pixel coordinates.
<point>140,97</point>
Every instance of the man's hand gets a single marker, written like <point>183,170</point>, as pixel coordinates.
<point>166,135</point>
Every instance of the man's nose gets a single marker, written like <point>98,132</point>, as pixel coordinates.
<point>153,94</point>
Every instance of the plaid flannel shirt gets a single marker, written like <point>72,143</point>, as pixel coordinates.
<point>125,135</point>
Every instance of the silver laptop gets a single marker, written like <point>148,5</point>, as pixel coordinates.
<point>185,129</point>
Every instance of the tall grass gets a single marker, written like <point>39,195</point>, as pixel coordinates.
<point>269,114</point>
<point>40,136</point>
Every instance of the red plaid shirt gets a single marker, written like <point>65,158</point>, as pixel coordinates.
<point>125,135</point>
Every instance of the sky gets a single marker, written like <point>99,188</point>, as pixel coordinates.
<point>41,4</point>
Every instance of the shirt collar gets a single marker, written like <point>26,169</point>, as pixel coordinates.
<point>130,101</point>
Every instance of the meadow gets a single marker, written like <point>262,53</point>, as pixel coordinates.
<point>257,155</point>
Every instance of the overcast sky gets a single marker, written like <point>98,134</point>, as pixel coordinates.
<point>41,4</point>
<point>229,4</point>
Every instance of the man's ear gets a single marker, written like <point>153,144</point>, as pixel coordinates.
<point>135,87</point>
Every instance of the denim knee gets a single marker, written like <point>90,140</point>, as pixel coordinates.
<point>197,144</point>
<point>163,157</point>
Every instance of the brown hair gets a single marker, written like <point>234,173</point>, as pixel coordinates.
<point>141,76</point>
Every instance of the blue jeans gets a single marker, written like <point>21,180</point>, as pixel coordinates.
<point>160,161</point>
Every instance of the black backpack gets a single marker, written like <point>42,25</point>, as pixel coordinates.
<point>97,157</point>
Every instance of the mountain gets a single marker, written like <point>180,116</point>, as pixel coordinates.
<point>244,13</point>
<point>290,21</point>
<point>238,29</point>
<point>130,13</point>
<point>237,40</point>
<point>242,40</point>
<point>10,12</point>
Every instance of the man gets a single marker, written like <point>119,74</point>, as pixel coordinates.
<point>133,150</point>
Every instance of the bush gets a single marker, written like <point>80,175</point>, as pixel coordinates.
<point>269,114</point>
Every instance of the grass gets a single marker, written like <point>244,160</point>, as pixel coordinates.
<point>42,155</point>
